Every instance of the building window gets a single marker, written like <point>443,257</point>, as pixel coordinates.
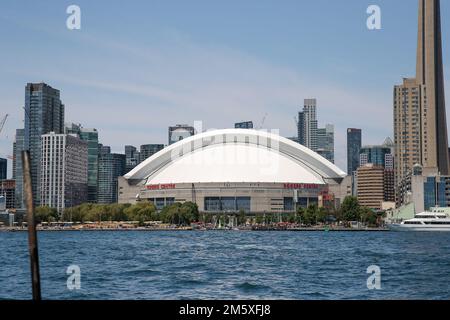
<point>159,203</point>
<point>288,204</point>
<point>227,204</point>
<point>243,203</point>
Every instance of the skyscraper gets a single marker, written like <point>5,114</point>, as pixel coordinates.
<point>64,171</point>
<point>325,142</point>
<point>420,125</point>
<point>19,146</point>
<point>90,135</point>
<point>110,167</point>
<point>3,168</point>
<point>132,158</point>
<point>353,149</point>
<point>307,124</point>
<point>44,113</point>
<point>147,150</point>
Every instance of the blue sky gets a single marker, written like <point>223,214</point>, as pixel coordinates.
<point>134,69</point>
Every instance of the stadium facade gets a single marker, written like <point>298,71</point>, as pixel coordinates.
<point>231,170</point>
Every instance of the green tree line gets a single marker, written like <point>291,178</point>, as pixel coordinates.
<point>187,212</point>
<point>177,213</point>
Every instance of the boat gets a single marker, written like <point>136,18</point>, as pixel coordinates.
<point>425,221</point>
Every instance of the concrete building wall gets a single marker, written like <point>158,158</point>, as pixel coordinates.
<point>341,190</point>
<point>264,197</point>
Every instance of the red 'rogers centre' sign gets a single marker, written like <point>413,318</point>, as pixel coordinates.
<point>161,186</point>
<point>301,186</point>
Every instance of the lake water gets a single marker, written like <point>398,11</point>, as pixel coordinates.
<point>229,265</point>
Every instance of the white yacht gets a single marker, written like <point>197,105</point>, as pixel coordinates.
<point>425,221</point>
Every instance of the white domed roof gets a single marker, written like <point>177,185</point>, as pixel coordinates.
<point>235,155</point>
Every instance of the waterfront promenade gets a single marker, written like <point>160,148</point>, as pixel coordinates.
<point>109,227</point>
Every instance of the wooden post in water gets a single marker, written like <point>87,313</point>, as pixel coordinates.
<point>32,235</point>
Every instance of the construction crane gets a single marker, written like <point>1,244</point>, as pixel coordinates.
<point>2,123</point>
<point>263,120</point>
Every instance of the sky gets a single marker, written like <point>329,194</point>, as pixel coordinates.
<point>135,68</point>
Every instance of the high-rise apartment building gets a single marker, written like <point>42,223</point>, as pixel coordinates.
<point>44,113</point>
<point>18,147</point>
<point>353,149</point>
<point>64,171</point>
<point>407,126</point>
<point>90,135</point>
<point>307,124</point>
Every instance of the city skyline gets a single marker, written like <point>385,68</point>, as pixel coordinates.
<point>206,150</point>
<point>292,73</point>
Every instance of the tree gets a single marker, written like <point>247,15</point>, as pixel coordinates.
<point>117,211</point>
<point>350,209</point>
<point>241,218</point>
<point>310,215</point>
<point>46,214</point>
<point>141,211</point>
<point>369,217</point>
<point>300,215</point>
<point>291,218</point>
<point>321,215</point>
<point>190,212</point>
<point>259,219</point>
<point>96,213</point>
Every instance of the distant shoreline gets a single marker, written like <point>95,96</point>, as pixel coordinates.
<point>201,230</point>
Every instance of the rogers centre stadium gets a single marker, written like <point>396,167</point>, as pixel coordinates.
<point>232,170</point>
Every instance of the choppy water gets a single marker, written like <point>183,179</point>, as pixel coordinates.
<point>229,265</point>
